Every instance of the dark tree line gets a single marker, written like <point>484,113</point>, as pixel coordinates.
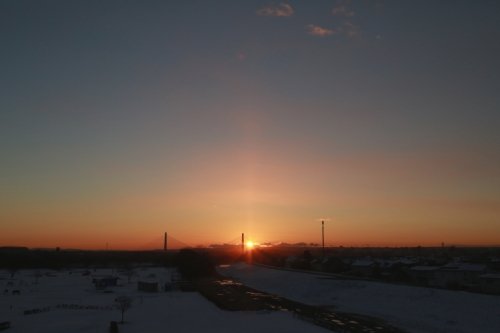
<point>194,263</point>
<point>54,259</point>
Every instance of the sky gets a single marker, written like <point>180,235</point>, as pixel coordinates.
<point>120,120</point>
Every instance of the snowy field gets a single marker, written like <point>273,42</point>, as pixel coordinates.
<point>414,309</point>
<point>87,310</point>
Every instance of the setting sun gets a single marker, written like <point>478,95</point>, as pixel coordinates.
<point>250,245</point>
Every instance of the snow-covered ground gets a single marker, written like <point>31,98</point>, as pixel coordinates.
<point>414,309</point>
<point>150,312</point>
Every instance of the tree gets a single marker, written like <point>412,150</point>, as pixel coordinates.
<point>38,275</point>
<point>12,271</point>
<point>123,303</point>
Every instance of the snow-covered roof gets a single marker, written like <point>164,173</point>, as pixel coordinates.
<point>104,277</point>
<point>363,262</point>
<point>394,261</point>
<point>491,276</point>
<point>148,281</point>
<point>407,261</point>
<point>425,268</point>
<point>464,267</point>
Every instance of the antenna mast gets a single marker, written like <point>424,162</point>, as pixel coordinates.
<point>323,236</point>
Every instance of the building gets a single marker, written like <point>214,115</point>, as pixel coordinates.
<point>456,275</point>
<point>460,275</point>
<point>104,282</point>
<point>147,286</point>
<point>490,283</point>
<point>363,266</point>
<point>424,275</point>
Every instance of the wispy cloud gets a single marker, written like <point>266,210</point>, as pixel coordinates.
<point>316,30</point>
<point>350,29</point>
<point>342,9</point>
<point>280,10</point>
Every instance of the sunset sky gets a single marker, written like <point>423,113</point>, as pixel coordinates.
<point>120,120</point>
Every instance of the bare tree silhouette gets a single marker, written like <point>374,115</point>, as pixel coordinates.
<point>123,303</point>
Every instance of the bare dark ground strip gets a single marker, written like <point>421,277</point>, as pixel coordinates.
<point>234,296</point>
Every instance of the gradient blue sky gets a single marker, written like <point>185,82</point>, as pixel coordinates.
<point>122,119</point>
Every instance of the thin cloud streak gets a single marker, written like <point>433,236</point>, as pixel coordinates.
<point>281,10</point>
<point>342,9</point>
<point>316,30</point>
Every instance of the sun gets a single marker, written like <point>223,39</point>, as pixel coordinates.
<point>250,245</point>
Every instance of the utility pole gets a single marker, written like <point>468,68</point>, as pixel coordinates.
<point>242,243</point>
<point>323,236</point>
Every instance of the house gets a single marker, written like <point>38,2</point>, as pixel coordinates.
<point>490,283</point>
<point>4,325</point>
<point>169,286</point>
<point>363,266</point>
<point>147,286</point>
<point>296,263</point>
<point>401,262</point>
<point>329,264</point>
<point>424,275</point>
<point>103,282</point>
<point>460,275</point>
<point>452,275</point>
<point>317,264</point>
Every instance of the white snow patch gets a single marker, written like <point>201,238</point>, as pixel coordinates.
<point>150,312</point>
<point>415,309</point>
